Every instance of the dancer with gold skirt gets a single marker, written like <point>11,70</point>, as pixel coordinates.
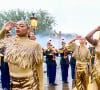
<point>82,56</point>
<point>96,68</point>
<point>23,56</point>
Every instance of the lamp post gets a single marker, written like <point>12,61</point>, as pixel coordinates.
<point>33,22</point>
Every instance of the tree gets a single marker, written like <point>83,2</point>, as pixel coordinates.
<point>45,20</point>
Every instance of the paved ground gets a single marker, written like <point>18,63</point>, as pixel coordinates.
<point>60,85</point>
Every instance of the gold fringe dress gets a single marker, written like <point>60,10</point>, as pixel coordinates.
<point>96,69</point>
<point>23,56</point>
<point>82,56</point>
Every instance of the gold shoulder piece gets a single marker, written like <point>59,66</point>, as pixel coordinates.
<point>60,51</point>
<point>68,47</point>
<point>1,55</point>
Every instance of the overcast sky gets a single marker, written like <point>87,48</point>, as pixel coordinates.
<point>78,16</point>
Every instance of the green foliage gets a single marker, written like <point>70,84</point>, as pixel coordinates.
<point>45,20</point>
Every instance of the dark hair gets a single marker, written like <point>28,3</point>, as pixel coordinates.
<point>7,32</point>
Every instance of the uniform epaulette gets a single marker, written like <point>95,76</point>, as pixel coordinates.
<point>1,55</point>
<point>60,51</point>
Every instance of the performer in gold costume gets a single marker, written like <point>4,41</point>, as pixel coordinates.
<point>96,68</point>
<point>23,56</point>
<point>82,56</point>
<point>40,66</point>
<point>32,36</point>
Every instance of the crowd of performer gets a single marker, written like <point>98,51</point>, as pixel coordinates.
<point>81,61</point>
<point>22,59</point>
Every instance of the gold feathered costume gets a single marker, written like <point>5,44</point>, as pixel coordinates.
<point>25,58</point>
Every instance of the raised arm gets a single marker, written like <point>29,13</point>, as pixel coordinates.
<point>89,36</point>
<point>75,38</point>
<point>72,40</point>
<point>7,27</point>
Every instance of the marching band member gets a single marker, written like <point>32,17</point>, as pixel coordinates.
<point>51,63</point>
<point>64,62</point>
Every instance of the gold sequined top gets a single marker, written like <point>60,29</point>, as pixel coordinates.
<point>82,55</point>
<point>22,54</point>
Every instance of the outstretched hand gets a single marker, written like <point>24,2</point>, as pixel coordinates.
<point>9,25</point>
